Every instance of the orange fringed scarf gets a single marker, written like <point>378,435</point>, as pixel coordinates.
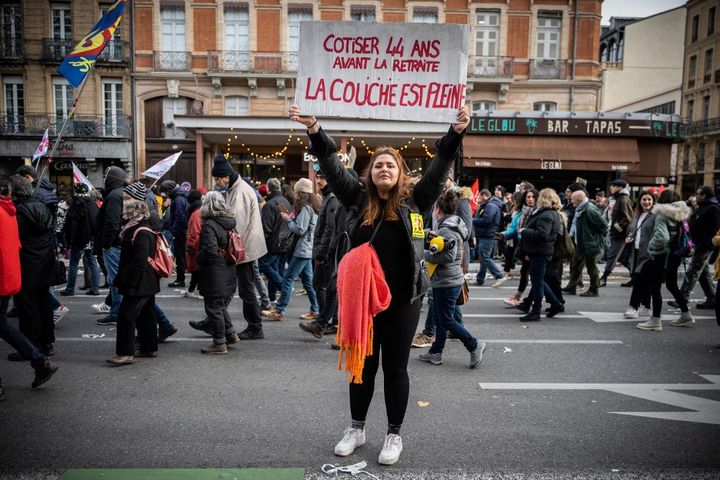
<point>362,293</point>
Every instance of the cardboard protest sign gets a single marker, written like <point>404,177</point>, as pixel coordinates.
<point>392,71</point>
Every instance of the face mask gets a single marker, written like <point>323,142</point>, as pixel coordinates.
<point>221,188</point>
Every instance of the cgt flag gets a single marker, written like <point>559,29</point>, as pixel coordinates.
<point>43,147</point>
<point>162,167</point>
<point>78,177</point>
<point>77,64</point>
<point>476,195</point>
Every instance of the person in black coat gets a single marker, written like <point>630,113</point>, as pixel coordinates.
<point>178,223</point>
<point>37,262</point>
<point>138,283</point>
<point>278,237</point>
<point>216,274</point>
<point>538,243</point>
<point>80,226</point>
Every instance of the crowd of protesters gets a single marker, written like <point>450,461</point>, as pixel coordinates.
<point>414,238</point>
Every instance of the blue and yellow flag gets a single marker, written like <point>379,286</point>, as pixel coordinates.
<point>76,66</point>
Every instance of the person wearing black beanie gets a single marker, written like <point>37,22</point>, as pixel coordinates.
<point>221,168</point>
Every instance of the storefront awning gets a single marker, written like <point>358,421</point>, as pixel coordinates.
<point>551,153</point>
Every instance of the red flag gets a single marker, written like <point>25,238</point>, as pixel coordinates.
<point>476,195</point>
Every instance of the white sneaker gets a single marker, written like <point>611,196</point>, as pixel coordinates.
<point>353,438</point>
<point>101,308</point>
<point>512,301</point>
<point>644,311</point>
<point>59,313</point>
<point>501,281</point>
<point>631,313</point>
<point>188,294</point>
<point>390,452</point>
<point>654,324</point>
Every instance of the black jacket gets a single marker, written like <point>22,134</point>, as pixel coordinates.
<point>216,275</point>
<point>37,237</point>
<point>45,192</point>
<point>272,222</point>
<point>178,211</point>
<point>351,194</point>
<point>325,228</point>
<point>704,223</point>
<point>80,222</point>
<point>135,276</point>
<point>621,215</point>
<point>109,219</point>
<point>541,232</point>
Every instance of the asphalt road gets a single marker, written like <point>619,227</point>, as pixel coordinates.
<point>583,395</point>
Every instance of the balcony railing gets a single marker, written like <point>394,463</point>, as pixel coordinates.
<point>548,69</point>
<point>704,127</point>
<point>12,48</point>
<point>79,126</point>
<point>491,67</point>
<point>116,51</point>
<point>238,61</point>
<point>172,61</point>
<point>55,50</point>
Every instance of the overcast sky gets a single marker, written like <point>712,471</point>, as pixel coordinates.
<point>636,8</point>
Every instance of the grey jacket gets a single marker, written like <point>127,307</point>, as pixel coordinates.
<point>304,226</point>
<point>449,261</point>
<point>641,255</point>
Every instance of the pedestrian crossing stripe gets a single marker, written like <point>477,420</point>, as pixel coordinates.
<point>184,474</point>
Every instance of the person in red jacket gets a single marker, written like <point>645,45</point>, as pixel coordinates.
<point>10,283</point>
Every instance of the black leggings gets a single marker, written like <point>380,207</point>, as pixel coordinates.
<point>644,287</point>
<point>393,331</point>
<point>524,277</point>
<point>668,274</point>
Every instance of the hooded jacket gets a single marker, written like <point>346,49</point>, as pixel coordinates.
<point>37,236</point>
<point>621,215</point>
<point>541,232</point>
<point>304,227</point>
<point>10,277</point>
<point>242,200</point>
<point>325,225</point>
<point>80,222</point>
<point>488,219</point>
<point>590,231</point>
<point>704,223</point>
<point>135,276</point>
<point>667,217</point>
<point>109,219</point>
<point>272,222</point>
<point>45,192</point>
<point>178,222</point>
<point>449,261</point>
<point>216,277</point>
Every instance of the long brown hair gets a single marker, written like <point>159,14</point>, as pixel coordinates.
<point>304,198</point>
<point>397,195</point>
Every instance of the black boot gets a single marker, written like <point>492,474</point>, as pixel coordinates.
<point>603,280</point>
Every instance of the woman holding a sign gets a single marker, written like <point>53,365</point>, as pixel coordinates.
<point>385,209</point>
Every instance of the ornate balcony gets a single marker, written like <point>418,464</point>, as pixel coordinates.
<point>116,51</point>
<point>704,127</point>
<point>55,50</point>
<point>548,68</point>
<point>246,62</point>
<point>172,61</point>
<point>491,67</point>
<point>80,126</point>
<point>12,49</point>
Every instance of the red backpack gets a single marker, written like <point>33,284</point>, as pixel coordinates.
<point>163,261</point>
<point>234,252</point>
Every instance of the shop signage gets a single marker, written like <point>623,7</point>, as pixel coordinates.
<point>660,180</point>
<point>65,148</point>
<point>619,168</point>
<point>578,127</point>
<point>66,166</point>
<point>550,165</point>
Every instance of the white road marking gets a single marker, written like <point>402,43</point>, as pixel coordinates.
<point>703,410</point>
<point>101,337</point>
<point>611,317</point>
<point>511,315</point>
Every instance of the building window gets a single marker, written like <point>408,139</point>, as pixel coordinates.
<point>113,105</point>
<point>544,106</point>
<point>61,22</point>
<point>711,21</point>
<point>236,106</point>
<point>692,71</point>
<point>172,107</point>
<point>482,106</point>
<point>603,53</point>
<point>362,13</point>
<point>706,108</point>
<point>690,110</point>
<point>114,50</point>
<point>63,97</point>
<point>708,65</point>
<point>173,29</point>
<point>612,56</point>
<point>695,28</point>
<point>686,159</point>
<point>665,108</point>
<point>295,16</point>
<point>14,105</point>
<point>548,37</point>
<point>487,34</point>
<point>11,28</point>
<point>621,47</point>
<point>700,158</point>
<point>716,164</point>
<point>425,15</point>
<point>237,26</point>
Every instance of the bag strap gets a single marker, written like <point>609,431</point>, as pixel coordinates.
<point>375,231</point>
<point>139,229</point>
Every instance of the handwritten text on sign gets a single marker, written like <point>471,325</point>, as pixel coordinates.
<point>398,71</point>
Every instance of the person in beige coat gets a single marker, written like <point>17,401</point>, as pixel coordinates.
<point>242,200</point>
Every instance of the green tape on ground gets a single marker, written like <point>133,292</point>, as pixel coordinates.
<point>185,474</point>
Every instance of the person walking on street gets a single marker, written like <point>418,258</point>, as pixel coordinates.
<point>80,226</point>
<point>638,239</point>
<point>669,212</point>
<point>178,224</point>
<point>387,207</point>
<point>589,229</point>
<point>193,241</point>
<point>526,206</point>
<point>216,274</point>
<point>447,281</point>
<point>278,237</point>
<point>487,222</point>
<point>620,220</point>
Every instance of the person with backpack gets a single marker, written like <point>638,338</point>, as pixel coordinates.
<point>278,237</point>
<point>620,217</point>
<point>638,238</point>
<point>80,225</point>
<point>193,240</point>
<point>302,224</point>
<point>487,222</point>
<point>177,225</point>
<point>668,238</point>
<point>138,283</point>
<point>216,275</point>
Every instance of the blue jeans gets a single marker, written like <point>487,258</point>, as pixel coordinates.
<point>16,339</point>
<point>162,320</point>
<point>262,289</point>
<point>538,265</point>
<point>53,299</point>
<point>444,301</point>
<point>485,248</point>
<point>75,256</point>
<point>271,266</point>
<point>429,328</point>
<point>298,267</point>
<point>111,256</point>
